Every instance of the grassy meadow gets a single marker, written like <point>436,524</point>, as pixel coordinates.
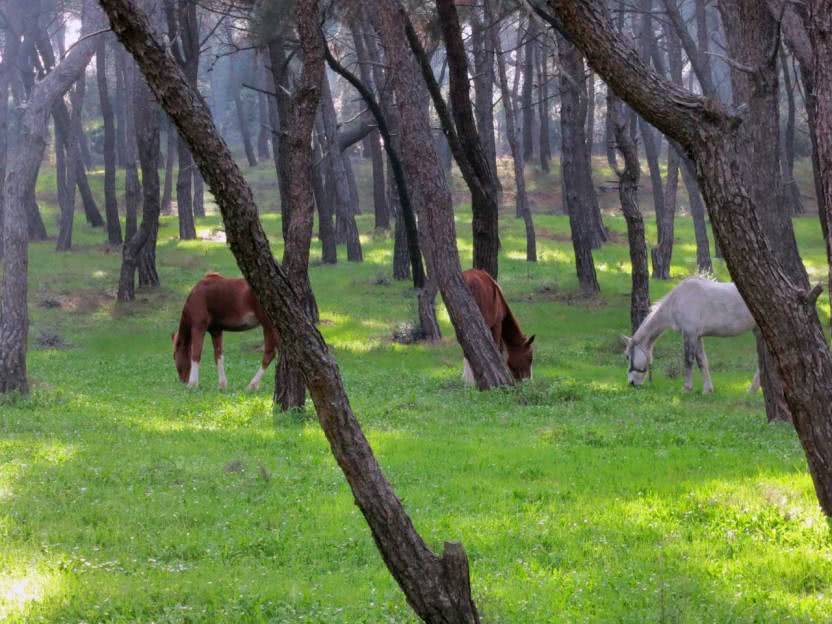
<point>124,497</point>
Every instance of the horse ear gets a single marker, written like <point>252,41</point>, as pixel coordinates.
<point>530,341</point>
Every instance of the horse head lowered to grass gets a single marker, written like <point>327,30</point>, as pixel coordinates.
<point>214,305</point>
<point>697,307</point>
<point>510,340</point>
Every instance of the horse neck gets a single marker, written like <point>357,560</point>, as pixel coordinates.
<point>512,335</point>
<point>653,325</point>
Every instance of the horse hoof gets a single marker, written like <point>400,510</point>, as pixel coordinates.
<point>252,388</point>
<point>192,386</point>
<point>707,390</point>
<point>687,388</point>
<point>223,386</point>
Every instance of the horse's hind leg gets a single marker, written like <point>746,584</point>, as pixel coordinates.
<point>269,349</point>
<point>216,338</point>
<point>702,361</point>
<point>689,348</point>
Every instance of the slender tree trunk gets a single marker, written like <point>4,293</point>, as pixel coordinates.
<point>590,114</point>
<point>573,161</point>
<point>120,108</point>
<point>65,178</point>
<point>91,213</point>
<point>110,202</point>
<point>791,191</point>
<point>516,152</point>
<point>132,186</point>
<point>526,105</point>
<point>543,106</point>
<point>484,80</point>
<point>326,227</point>
<point>198,194</point>
<point>170,162</point>
<point>245,134</point>
<point>697,213</point>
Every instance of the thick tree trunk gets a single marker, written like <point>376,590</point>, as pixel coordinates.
<point>573,163</point>
<point>110,201</point>
<point>752,34</point>
<point>27,141</point>
<point>432,199</point>
<point>785,312</point>
<point>438,588</point>
<point>590,115</point>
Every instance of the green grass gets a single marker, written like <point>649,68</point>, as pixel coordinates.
<point>126,498</point>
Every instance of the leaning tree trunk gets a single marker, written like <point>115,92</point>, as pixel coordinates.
<point>110,202</point>
<point>27,141</point>
<point>433,203</point>
<point>438,588</point>
<point>573,160</point>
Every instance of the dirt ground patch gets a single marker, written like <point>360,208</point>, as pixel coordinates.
<point>567,297</point>
<point>81,301</point>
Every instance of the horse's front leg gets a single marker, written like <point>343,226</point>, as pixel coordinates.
<point>216,338</point>
<point>269,350</point>
<point>689,348</point>
<point>702,362</point>
<point>197,337</point>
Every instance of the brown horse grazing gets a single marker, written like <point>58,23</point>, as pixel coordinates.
<point>511,342</point>
<point>214,305</point>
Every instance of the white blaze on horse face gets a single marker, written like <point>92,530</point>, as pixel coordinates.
<point>468,373</point>
<point>221,373</point>
<point>255,381</point>
<point>193,380</point>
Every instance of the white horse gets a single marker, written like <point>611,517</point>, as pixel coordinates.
<point>697,307</point>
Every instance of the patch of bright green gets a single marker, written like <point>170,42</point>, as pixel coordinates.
<point>126,498</point>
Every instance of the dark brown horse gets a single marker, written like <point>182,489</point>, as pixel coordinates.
<point>217,304</point>
<point>505,330</point>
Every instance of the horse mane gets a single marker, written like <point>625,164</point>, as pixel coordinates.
<point>512,333</point>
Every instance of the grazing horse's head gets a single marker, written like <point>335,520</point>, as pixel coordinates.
<point>181,356</point>
<point>520,359</point>
<point>640,357</point>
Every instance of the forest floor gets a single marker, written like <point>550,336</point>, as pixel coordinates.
<point>125,497</point>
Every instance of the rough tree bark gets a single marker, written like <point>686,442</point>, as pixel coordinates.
<point>110,163</point>
<point>484,80</point>
<point>432,199</point>
<point>27,141</point>
<point>290,386</point>
<point>171,142</point>
<point>526,106</point>
<point>438,588</point>
<point>628,177</point>
<point>132,186</point>
<point>785,311</point>
<point>791,190</point>
<point>753,37</point>
<point>573,163</point>
<point>543,104</point>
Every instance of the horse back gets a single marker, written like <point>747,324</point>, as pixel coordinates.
<point>487,295</point>
<point>224,304</point>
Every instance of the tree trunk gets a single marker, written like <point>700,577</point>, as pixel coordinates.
<point>380,209</point>
<point>346,229</point>
<point>697,213</point>
<point>139,252</point>
<point>198,193</point>
<point>184,198</point>
<point>516,153</point>
<point>791,191</point>
<point>120,108</point>
<point>438,588</point>
<point>484,80</point>
<point>526,105</point>
<point>27,141</point>
<point>590,115</point>
<point>77,136</point>
<point>110,202</point>
<point>628,192</point>
<point>432,199</point>
<point>132,186</point>
<point>543,106</point>
<point>573,163</point>
<point>326,227</point>
<point>751,35</point>
<point>245,134</point>
<point>170,164</point>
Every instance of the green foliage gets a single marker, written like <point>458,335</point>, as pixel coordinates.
<point>126,498</point>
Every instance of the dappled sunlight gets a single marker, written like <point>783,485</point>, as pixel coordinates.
<point>19,592</point>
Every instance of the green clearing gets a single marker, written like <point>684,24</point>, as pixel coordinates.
<point>126,498</point>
